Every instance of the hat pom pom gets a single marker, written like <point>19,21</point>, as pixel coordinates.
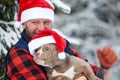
<point>17,24</point>
<point>62,55</point>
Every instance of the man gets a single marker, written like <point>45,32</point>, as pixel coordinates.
<point>34,16</point>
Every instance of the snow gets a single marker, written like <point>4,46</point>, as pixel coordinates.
<point>8,37</point>
<point>60,5</point>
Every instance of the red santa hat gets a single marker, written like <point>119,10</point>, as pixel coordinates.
<point>32,9</point>
<point>45,37</point>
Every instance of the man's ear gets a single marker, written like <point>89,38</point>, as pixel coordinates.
<point>23,25</point>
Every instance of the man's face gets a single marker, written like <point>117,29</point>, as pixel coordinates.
<point>33,26</point>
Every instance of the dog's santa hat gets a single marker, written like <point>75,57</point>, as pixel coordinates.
<point>32,9</point>
<point>45,37</point>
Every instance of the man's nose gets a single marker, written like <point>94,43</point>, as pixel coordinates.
<point>41,26</point>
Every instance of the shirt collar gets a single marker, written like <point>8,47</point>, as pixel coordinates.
<point>25,37</point>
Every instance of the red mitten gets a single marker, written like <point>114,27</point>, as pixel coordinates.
<point>107,57</point>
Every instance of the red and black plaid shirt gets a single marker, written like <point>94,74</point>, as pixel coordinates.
<point>20,66</point>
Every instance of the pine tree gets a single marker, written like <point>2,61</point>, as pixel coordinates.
<point>7,31</point>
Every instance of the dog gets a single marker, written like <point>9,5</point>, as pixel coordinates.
<point>70,68</point>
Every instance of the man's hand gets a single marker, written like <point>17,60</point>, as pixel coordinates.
<point>82,78</point>
<point>107,57</point>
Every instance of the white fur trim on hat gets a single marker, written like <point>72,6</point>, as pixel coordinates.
<point>62,55</point>
<point>36,43</point>
<point>37,12</point>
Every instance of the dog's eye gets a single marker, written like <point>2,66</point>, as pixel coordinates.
<point>36,50</point>
<point>47,48</point>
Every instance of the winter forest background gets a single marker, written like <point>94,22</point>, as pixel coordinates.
<point>91,25</point>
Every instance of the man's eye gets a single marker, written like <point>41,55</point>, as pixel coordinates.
<point>35,22</point>
<point>47,22</point>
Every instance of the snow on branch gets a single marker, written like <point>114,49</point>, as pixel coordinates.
<point>60,5</point>
<point>8,36</point>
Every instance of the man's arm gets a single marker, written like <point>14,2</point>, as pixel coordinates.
<point>108,76</point>
<point>20,66</point>
<point>95,68</point>
<point>106,62</point>
<point>100,72</point>
<point>75,53</point>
